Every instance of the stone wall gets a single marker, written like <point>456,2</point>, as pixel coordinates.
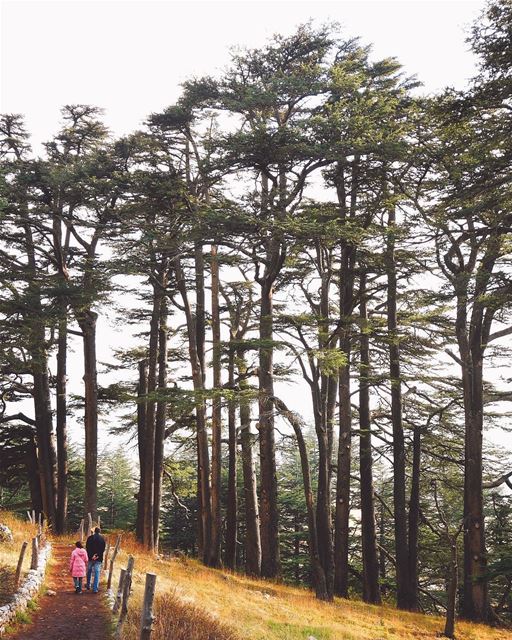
<point>27,589</point>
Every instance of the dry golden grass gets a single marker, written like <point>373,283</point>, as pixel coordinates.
<point>10,551</point>
<point>179,620</point>
<point>197,603</point>
<point>262,610</point>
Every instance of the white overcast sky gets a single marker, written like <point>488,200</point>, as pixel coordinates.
<point>129,57</point>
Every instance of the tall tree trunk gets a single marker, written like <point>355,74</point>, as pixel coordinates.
<point>472,338</point>
<point>199,377</point>
<point>451,596</point>
<point>346,279</point>
<point>32,466</point>
<point>150,429</point>
<point>269,519</point>
<point>323,520</point>
<point>414,514</point>
<point>61,423</point>
<point>475,601</point>
<point>200,321</point>
<point>87,322</point>
<point>324,402</point>
<point>341,534</point>
<point>252,516</point>
<point>399,484</point>
<point>232,507</point>
<point>371,588</point>
<point>215,558</point>
<point>195,341</point>
<point>46,455</point>
<point>142,392</point>
<point>161,414</point>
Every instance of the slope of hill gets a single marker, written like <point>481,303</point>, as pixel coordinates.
<point>10,551</point>
<point>195,602</point>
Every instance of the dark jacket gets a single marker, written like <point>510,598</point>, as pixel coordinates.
<point>95,546</point>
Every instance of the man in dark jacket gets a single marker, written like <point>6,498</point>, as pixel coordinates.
<point>95,547</point>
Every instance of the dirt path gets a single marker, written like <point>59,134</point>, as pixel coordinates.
<point>66,616</point>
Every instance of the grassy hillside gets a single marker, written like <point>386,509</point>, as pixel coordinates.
<point>200,603</point>
<point>10,551</point>
<point>196,603</point>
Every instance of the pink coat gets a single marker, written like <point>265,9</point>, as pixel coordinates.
<point>78,563</point>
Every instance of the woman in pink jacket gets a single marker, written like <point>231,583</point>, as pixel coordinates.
<point>78,566</point>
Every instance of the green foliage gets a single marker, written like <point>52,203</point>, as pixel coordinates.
<point>116,490</point>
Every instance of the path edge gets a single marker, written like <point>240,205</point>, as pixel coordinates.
<point>28,588</point>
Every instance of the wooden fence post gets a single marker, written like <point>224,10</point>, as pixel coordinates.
<point>20,563</point>
<point>99,522</point>
<point>29,517</point>
<point>33,561</point>
<point>33,516</point>
<point>146,626</point>
<point>112,560</point>
<point>126,595</point>
<point>89,521</point>
<point>119,594</point>
<point>81,530</point>
<point>107,549</point>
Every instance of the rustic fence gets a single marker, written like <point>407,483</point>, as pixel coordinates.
<point>122,595</point>
<point>124,588</point>
<point>39,521</point>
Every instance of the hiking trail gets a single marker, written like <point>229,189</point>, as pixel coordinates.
<point>66,616</point>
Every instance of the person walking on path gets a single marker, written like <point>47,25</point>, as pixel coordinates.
<point>95,547</point>
<point>78,566</point>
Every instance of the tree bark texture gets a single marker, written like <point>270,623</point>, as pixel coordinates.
<point>203,457</point>
<point>399,480</point>
<point>232,505</point>
<point>142,392</point>
<point>61,424</point>
<point>46,455</point>
<point>252,516</point>
<point>347,205</point>
<point>160,420</point>
<point>215,557</point>
<point>87,322</point>
<point>413,520</point>
<point>150,427</point>
<point>371,588</point>
<point>269,519</point>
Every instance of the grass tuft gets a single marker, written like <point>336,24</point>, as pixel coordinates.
<point>180,621</point>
